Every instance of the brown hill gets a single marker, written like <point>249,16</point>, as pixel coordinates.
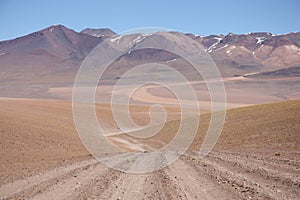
<point>31,63</point>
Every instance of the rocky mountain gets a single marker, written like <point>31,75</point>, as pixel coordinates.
<point>44,53</point>
<point>57,41</point>
<point>255,49</point>
<point>48,57</point>
<point>51,57</point>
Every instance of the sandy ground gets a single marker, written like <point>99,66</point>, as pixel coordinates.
<point>221,175</point>
<point>240,91</point>
<point>256,157</point>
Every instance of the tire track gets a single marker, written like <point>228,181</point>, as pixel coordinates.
<point>19,186</point>
<point>65,188</point>
<point>196,184</point>
<point>105,188</point>
<point>154,185</point>
<point>280,176</point>
<point>236,184</point>
<point>217,176</point>
<point>74,186</point>
<point>132,186</point>
<point>170,187</point>
<point>239,180</point>
<point>99,185</point>
<point>62,183</point>
<point>279,164</point>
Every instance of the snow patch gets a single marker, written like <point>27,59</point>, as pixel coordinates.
<point>138,39</point>
<point>146,34</point>
<point>116,39</point>
<point>200,36</point>
<point>229,52</point>
<point>1,54</point>
<point>226,45</point>
<point>260,40</point>
<point>217,38</point>
<point>209,49</point>
<point>52,29</point>
<point>97,35</point>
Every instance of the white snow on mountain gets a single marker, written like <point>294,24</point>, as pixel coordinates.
<point>260,40</point>
<point>226,45</point>
<point>209,49</point>
<point>116,39</point>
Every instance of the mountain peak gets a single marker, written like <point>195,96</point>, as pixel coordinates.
<point>50,29</point>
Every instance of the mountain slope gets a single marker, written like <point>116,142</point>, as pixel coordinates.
<point>264,50</point>
<point>101,32</point>
<point>47,57</point>
<point>32,64</point>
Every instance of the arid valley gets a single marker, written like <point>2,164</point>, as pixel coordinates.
<point>47,154</point>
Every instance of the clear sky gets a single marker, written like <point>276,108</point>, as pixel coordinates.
<point>20,17</point>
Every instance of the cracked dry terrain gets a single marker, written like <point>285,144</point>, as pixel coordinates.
<point>257,157</point>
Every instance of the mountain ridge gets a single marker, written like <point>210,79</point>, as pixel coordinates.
<point>51,57</point>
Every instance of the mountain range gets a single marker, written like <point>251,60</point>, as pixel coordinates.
<point>51,57</point>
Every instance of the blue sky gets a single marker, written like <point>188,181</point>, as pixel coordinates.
<point>18,17</point>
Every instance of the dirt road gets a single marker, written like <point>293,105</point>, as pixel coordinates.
<point>221,175</point>
<point>256,157</point>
